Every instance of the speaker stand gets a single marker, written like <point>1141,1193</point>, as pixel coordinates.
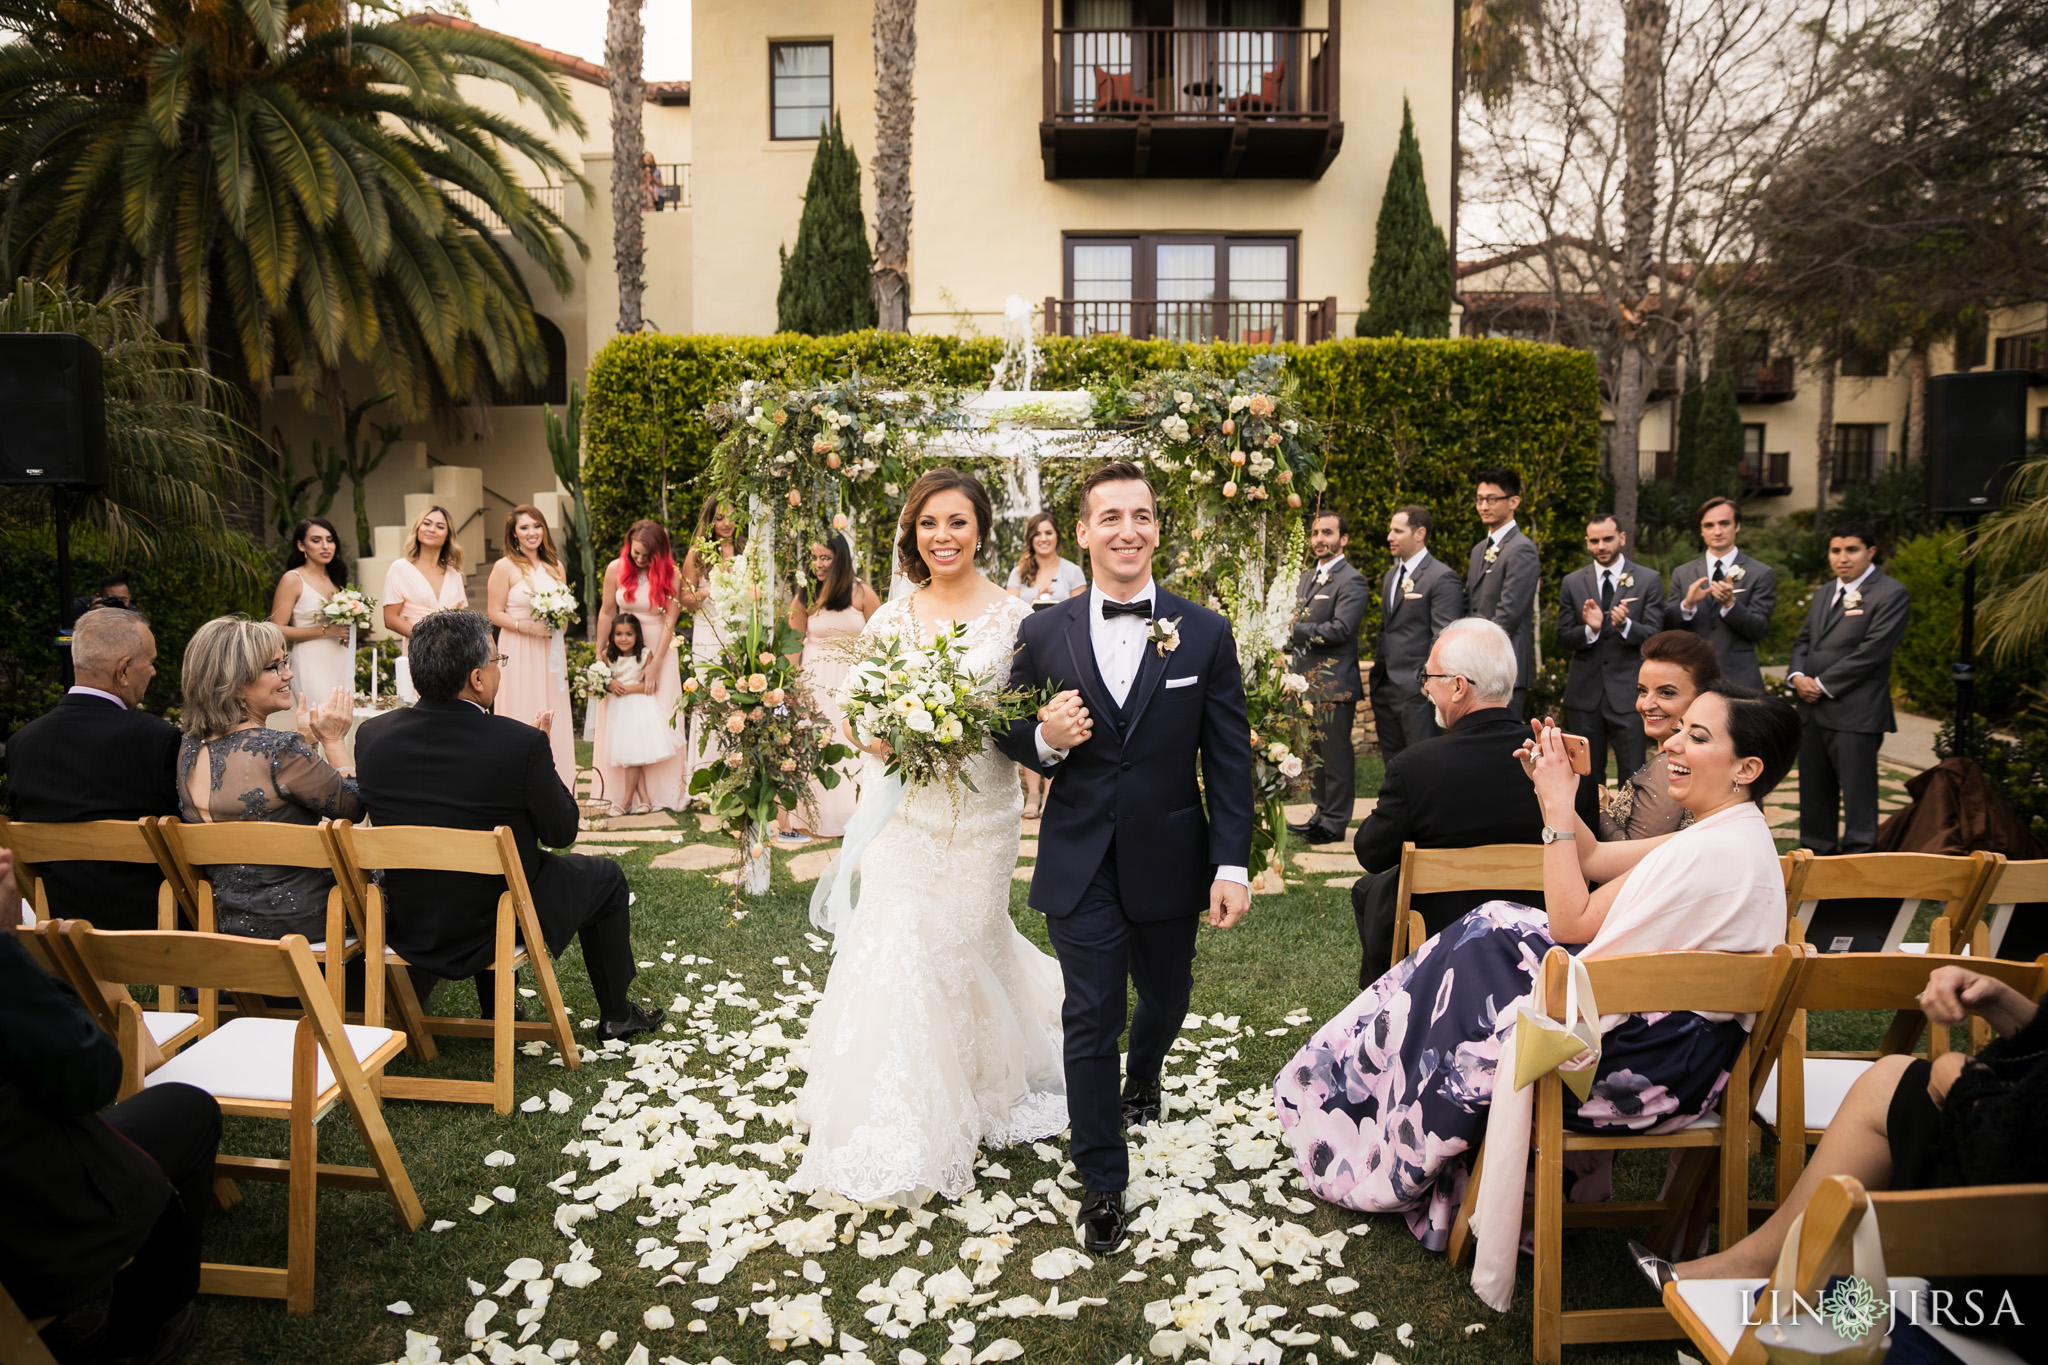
<point>1963,673</point>
<point>62,511</point>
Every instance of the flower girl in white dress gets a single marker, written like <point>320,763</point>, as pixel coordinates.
<point>636,733</point>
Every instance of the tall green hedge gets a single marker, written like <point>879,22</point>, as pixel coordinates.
<point>1407,420</point>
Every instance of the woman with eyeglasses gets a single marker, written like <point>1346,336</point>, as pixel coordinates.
<point>233,766</point>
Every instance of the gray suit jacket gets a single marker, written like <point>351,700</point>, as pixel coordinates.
<point>1849,652</point>
<point>1325,640</point>
<point>1504,592</point>
<point>1408,631</point>
<point>1734,636</point>
<point>1606,669</point>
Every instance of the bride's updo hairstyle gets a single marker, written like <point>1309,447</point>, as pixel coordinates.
<point>1761,727</point>
<point>928,486</point>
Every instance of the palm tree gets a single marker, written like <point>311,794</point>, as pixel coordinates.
<point>623,58</point>
<point>895,31</point>
<point>2014,548</point>
<point>294,190</point>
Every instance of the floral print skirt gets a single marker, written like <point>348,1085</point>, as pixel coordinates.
<point>1385,1104</point>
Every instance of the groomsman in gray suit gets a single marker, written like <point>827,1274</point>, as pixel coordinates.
<point>1503,575</point>
<point>1330,601</point>
<point>1418,598</point>
<point>1604,613</point>
<point>1726,598</point>
<point>1842,670</point>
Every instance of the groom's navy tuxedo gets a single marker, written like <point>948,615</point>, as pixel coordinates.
<point>1126,852</point>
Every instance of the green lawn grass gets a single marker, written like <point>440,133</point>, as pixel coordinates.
<point>1296,951</point>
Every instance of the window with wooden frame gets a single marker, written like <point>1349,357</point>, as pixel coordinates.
<point>1182,287</point>
<point>1859,453</point>
<point>799,89</point>
<point>1866,362</point>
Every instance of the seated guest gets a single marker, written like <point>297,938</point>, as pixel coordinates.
<point>233,766</point>
<point>95,1197</point>
<point>1457,790</point>
<point>448,761</point>
<point>95,757</point>
<point>1387,1101</point>
<point>1908,1124</point>
<point>1676,665</point>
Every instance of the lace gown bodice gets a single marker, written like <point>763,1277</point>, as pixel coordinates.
<point>939,1030</point>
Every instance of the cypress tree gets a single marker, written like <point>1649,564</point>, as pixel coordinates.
<point>1709,462</point>
<point>828,279</point>
<point>1410,285</point>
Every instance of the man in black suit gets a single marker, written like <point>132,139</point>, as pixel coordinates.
<point>1503,574</point>
<point>94,756</point>
<point>1460,790</point>
<point>1604,613</point>
<point>1330,601</point>
<point>94,1196</point>
<point>1842,670</point>
<point>1727,598</point>
<point>1419,599</point>
<point>448,761</point>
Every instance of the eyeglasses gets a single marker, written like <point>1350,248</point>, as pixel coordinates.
<point>1489,499</point>
<point>281,667</point>
<point>501,659</point>
<point>1423,675</point>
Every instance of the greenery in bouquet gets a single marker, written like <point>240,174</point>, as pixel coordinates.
<point>349,607</point>
<point>773,742</point>
<point>925,704</point>
<point>556,607</point>
<point>1277,700</point>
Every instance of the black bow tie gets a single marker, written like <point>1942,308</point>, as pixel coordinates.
<point>1141,607</point>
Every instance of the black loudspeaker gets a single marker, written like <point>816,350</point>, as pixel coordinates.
<point>1976,436</point>
<point>53,411</point>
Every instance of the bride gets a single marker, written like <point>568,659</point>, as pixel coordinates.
<point>939,1030</point>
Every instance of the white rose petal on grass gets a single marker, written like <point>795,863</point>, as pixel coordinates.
<point>1342,1347</point>
<point>1059,1263</point>
<point>481,1204</point>
<point>499,1158</point>
<point>704,1305</point>
<point>441,1225</point>
<point>697,1325</point>
<point>906,1356</point>
<point>1325,1310</point>
<point>577,1274</point>
<point>401,1308</point>
<point>1473,1329</point>
<point>814,1272</point>
<point>1340,1284</point>
<point>1002,1348</point>
<point>525,1268</point>
<point>504,1194</point>
<point>607,1340</point>
<point>479,1318</point>
<point>1405,1334</point>
<point>639,1356</point>
<point>1364,1322</point>
<point>659,1318</point>
<point>558,1102</point>
<point>532,1104</point>
<point>563,1349</point>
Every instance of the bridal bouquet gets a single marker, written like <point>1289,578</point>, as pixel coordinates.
<point>349,607</point>
<point>593,680</point>
<point>555,607</point>
<point>927,707</point>
<point>1276,697</point>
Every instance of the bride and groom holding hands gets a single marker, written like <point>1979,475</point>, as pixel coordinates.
<point>942,1029</point>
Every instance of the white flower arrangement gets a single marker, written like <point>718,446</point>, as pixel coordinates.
<point>924,703</point>
<point>1736,573</point>
<point>1627,580</point>
<point>1407,583</point>
<point>1492,553</point>
<point>1175,427</point>
<point>592,680</point>
<point>348,607</point>
<point>555,607</point>
<point>1852,599</point>
<point>1164,635</point>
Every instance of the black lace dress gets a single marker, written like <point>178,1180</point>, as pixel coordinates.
<point>272,775</point>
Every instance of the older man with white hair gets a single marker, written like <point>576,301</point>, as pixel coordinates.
<point>1460,789</point>
<point>95,756</point>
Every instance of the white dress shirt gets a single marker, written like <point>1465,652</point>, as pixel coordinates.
<point>1726,563</point>
<point>1119,643</point>
<point>1613,571</point>
<point>103,696</point>
<point>1500,533</point>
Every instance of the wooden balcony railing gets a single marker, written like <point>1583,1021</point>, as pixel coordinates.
<point>1772,480</point>
<point>1764,381</point>
<point>1254,322</point>
<point>2028,352</point>
<point>1139,101</point>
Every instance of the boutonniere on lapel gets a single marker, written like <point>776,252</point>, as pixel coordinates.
<point>1407,584</point>
<point>1492,552</point>
<point>1322,577</point>
<point>1627,580</point>
<point>1735,573</point>
<point>1164,635</point>
<point>1852,599</point>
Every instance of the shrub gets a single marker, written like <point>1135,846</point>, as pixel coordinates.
<point>1930,566</point>
<point>2018,770</point>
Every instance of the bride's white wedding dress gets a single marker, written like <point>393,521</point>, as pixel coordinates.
<point>939,1030</point>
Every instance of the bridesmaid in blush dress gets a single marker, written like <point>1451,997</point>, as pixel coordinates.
<point>718,534</point>
<point>314,572</point>
<point>642,582</point>
<point>534,685</point>
<point>428,578</point>
<point>831,617</point>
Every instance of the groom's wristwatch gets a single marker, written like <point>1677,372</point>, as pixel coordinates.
<point>1551,836</point>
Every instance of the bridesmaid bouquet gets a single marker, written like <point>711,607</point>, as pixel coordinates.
<point>349,607</point>
<point>555,607</point>
<point>594,679</point>
<point>925,704</point>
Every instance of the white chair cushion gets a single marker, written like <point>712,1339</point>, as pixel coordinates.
<point>162,1025</point>
<point>1912,947</point>
<point>1827,1084</point>
<point>1721,1306</point>
<point>348,941</point>
<point>251,1059</point>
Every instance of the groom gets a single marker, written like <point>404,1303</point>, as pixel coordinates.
<point>1147,683</point>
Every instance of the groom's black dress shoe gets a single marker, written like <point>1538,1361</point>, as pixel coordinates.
<point>638,1022</point>
<point>1101,1222</point>
<point>1655,1268</point>
<point>1305,831</point>
<point>1141,1106</point>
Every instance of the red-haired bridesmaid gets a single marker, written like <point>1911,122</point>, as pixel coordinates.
<point>642,582</point>
<point>534,682</point>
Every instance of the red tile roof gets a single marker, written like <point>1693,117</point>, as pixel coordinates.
<point>658,92</point>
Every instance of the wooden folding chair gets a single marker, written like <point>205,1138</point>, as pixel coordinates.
<point>1803,1092</point>
<point>37,842</point>
<point>1762,984</point>
<point>294,1070</point>
<point>196,849</point>
<point>487,853</point>
<point>2011,885</point>
<point>1426,871</point>
<point>1980,1230</point>
<point>20,1342</point>
<point>1911,879</point>
<point>163,1031</point>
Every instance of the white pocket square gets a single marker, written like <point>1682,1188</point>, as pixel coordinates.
<point>1184,682</point>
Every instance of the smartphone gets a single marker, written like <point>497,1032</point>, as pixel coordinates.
<point>1579,753</point>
